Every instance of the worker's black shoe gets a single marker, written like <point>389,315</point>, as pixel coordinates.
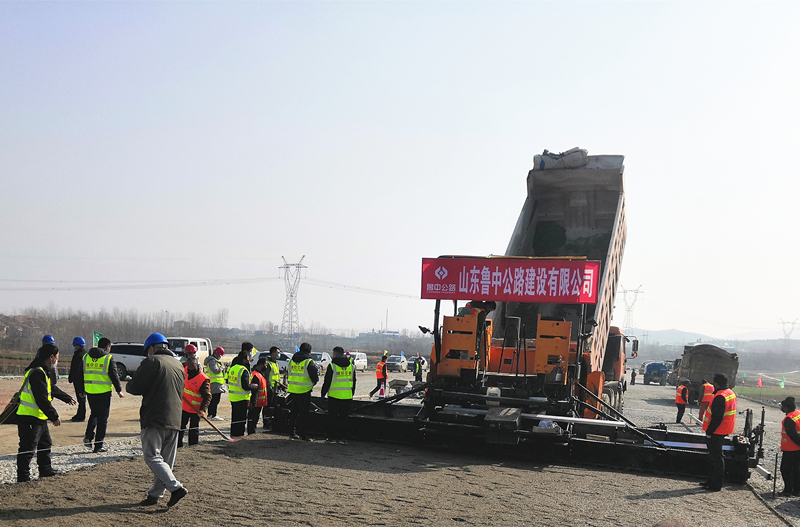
<point>786,494</point>
<point>149,500</point>
<point>176,496</point>
<point>100,449</point>
<point>22,478</point>
<point>294,437</point>
<point>48,472</point>
<point>78,419</point>
<point>87,442</point>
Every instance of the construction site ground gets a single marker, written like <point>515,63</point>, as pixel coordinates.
<point>270,480</point>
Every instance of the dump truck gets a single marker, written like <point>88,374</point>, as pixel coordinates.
<point>656,372</point>
<point>527,362</point>
<point>703,361</point>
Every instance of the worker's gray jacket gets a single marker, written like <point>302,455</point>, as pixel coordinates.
<point>159,380</point>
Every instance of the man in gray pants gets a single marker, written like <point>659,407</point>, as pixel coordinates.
<point>160,380</point>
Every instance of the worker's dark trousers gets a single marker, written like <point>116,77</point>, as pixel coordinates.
<point>34,436</point>
<point>212,407</point>
<point>716,463</point>
<point>193,420</point>
<point>99,406</point>
<point>681,410</point>
<point>790,470</point>
<point>299,403</point>
<point>418,376</point>
<point>378,387</point>
<point>338,410</point>
<point>252,417</point>
<point>80,415</point>
<point>238,418</point>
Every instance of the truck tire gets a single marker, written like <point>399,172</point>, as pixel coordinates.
<point>647,379</point>
<point>663,382</point>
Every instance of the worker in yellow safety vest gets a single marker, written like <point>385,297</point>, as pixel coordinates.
<point>718,421</point>
<point>340,386</point>
<point>303,375</point>
<point>273,382</point>
<point>99,376</point>
<point>215,369</point>
<point>239,388</point>
<point>35,409</point>
<point>196,398</point>
<point>708,395</point>
<point>381,374</point>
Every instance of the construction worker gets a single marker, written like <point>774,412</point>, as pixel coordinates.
<point>189,352</point>
<point>239,388</point>
<point>216,374</point>
<point>418,368</point>
<point>303,375</point>
<point>259,397</point>
<point>708,395</point>
<point>790,448</point>
<point>681,400</point>
<point>633,380</point>
<point>75,371</point>
<point>340,386</point>
<point>159,380</point>
<point>381,375</point>
<point>718,421</point>
<point>35,409</point>
<point>196,398</point>
<point>273,381</point>
<point>98,376</point>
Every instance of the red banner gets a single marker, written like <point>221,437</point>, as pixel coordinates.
<point>511,280</point>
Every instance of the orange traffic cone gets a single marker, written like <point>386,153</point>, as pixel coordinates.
<point>382,391</point>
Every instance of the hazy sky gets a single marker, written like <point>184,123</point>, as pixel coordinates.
<point>163,142</point>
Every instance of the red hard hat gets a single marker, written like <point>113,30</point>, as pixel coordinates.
<point>190,349</point>
<point>219,350</point>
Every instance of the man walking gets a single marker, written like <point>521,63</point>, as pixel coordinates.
<point>790,448</point>
<point>76,371</point>
<point>382,376</point>
<point>303,375</point>
<point>718,422</point>
<point>196,398</point>
<point>35,409</point>
<point>340,386</point>
<point>160,380</point>
<point>98,374</point>
<point>216,375</point>
<point>681,400</point>
<point>708,395</point>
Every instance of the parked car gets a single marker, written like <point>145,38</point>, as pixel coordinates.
<point>323,360</point>
<point>282,361</point>
<point>203,345</point>
<point>359,360</point>
<point>397,363</point>
<point>128,356</point>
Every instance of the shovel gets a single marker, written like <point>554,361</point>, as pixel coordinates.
<point>226,438</point>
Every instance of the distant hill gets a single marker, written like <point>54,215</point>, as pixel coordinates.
<point>672,337</point>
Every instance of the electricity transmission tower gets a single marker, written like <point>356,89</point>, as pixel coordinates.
<point>787,334</point>
<point>291,321</point>
<point>628,325</point>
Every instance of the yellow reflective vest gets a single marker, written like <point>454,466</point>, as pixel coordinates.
<point>95,374</point>
<point>235,391</point>
<point>27,402</point>
<point>299,379</point>
<point>274,374</point>
<point>341,382</point>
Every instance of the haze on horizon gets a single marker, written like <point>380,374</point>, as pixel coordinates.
<point>145,147</point>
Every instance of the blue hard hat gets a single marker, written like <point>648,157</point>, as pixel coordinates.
<point>155,338</point>
<point>78,341</point>
<point>48,339</point>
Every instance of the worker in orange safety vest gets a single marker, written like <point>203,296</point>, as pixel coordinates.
<point>258,398</point>
<point>708,395</point>
<point>381,375</point>
<point>196,398</point>
<point>718,421</point>
<point>681,399</point>
<point>790,448</point>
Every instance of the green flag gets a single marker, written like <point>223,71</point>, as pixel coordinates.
<point>97,337</point>
<point>782,379</point>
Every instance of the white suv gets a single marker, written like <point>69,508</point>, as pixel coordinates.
<point>128,356</point>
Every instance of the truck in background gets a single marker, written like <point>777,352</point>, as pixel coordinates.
<point>656,372</point>
<point>703,361</point>
<point>203,345</point>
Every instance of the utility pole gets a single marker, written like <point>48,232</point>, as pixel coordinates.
<point>291,320</point>
<point>628,329</point>
<point>787,334</point>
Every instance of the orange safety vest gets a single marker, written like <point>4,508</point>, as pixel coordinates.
<point>787,445</point>
<point>379,370</point>
<point>726,427</point>
<point>261,397</point>
<point>679,395</point>
<point>191,392</point>
<point>708,393</point>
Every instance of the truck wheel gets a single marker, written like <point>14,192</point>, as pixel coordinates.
<point>647,379</point>
<point>122,371</point>
<point>663,382</point>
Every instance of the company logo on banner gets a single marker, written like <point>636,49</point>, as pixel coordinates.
<point>511,280</point>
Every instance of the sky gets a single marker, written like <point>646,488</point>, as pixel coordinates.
<point>146,147</point>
